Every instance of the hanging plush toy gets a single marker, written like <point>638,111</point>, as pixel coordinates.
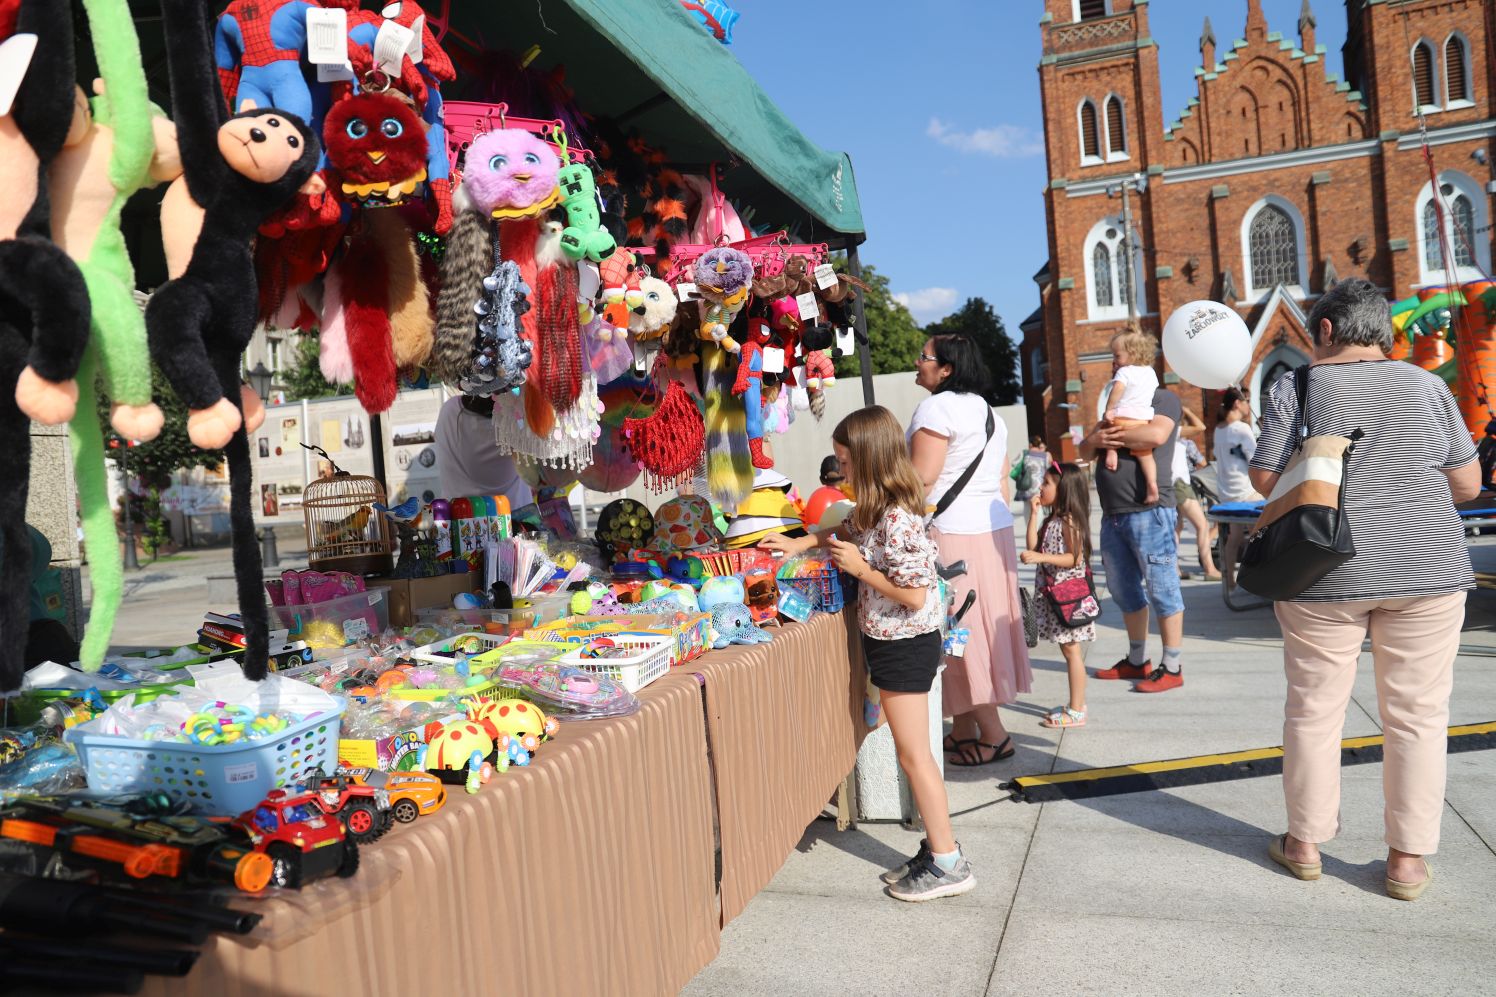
<point>788,325</point>
<point>621,279</point>
<point>502,356</point>
<point>259,46</point>
<point>655,311</point>
<point>723,277</point>
<point>44,310</point>
<point>748,386</point>
<point>237,171</point>
<point>123,146</point>
<point>584,237</point>
<point>376,153</point>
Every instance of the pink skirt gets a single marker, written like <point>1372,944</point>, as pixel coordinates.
<point>996,666</point>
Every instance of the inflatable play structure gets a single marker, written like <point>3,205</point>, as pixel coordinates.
<point>1452,332</point>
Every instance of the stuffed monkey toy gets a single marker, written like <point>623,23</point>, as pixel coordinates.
<point>44,310</point>
<point>122,147</point>
<point>236,172</point>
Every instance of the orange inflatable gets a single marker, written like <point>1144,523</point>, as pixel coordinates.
<point>1475,329</point>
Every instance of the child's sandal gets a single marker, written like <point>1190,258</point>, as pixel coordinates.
<point>1064,716</point>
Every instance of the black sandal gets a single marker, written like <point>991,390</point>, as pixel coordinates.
<point>999,752</point>
<point>951,745</point>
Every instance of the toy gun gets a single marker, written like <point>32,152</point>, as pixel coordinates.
<point>222,862</point>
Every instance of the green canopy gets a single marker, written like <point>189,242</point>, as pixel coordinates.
<point>649,65</point>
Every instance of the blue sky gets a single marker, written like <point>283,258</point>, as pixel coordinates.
<point>938,106</point>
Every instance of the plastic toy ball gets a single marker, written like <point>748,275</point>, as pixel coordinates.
<point>465,600</point>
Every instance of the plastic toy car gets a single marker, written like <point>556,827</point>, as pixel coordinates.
<point>411,794</point>
<point>363,809</point>
<point>303,841</point>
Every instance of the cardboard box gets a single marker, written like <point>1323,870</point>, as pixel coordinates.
<point>407,595</point>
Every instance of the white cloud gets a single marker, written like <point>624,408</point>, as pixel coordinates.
<point>928,304</point>
<point>999,141</point>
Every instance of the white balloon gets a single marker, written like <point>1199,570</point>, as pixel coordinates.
<point>1207,344</point>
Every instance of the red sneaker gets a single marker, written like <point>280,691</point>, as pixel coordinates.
<point>1124,670</point>
<point>1160,681</point>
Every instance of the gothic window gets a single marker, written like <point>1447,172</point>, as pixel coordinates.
<point>1090,136</point>
<point>1463,217</point>
<point>1091,9</point>
<point>1423,76</point>
<point>1456,83</point>
<point>1101,270</point>
<point>1273,248</point>
<point>1113,279</point>
<point>1116,135</point>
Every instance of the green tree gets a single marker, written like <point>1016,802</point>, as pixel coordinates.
<point>977,320</point>
<point>303,378</point>
<point>155,462</point>
<point>894,337</point>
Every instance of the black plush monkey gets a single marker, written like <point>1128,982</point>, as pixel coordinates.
<point>236,172</point>
<point>44,311</point>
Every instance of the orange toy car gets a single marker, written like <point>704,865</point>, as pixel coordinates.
<point>411,794</point>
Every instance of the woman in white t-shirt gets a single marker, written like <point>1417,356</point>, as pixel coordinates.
<point>946,434</point>
<point>1235,443</point>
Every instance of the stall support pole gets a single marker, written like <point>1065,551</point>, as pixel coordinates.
<point>376,441</point>
<point>864,357</point>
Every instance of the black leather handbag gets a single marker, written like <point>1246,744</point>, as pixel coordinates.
<point>1303,533</point>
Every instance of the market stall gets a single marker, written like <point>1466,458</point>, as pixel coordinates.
<point>466,746</point>
<point>593,871</point>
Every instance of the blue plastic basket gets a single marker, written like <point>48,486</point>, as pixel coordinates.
<point>217,780</point>
<point>823,589</point>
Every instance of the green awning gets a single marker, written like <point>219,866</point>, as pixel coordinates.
<point>650,65</point>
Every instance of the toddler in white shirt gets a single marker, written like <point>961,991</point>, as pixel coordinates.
<point>1131,400</point>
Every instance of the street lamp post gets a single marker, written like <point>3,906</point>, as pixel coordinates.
<point>1139,183</point>
<point>131,562</point>
<point>261,379</point>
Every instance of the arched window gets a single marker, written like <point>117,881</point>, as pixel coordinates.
<point>1272,242</point>
<point>1456,78</point>
<point>1088,10</point>
<point>1423,76</point>
<point>1273,248</point>
<point>1090,133</point>
<point>1116,128</point>
<point>1101,270</point>
<point>1112,282</point>
<point>1464,216</point>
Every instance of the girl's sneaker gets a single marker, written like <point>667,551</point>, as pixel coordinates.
<point>894,875</point>
<point>1064,716</point>
<point>927,881</point>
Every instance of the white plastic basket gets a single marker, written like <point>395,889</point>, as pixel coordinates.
<point>650,659</point>
<point>218,780</point>
<point>439,652</point>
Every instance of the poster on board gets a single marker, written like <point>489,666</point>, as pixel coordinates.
<point>283,467</point>
<point>410,446</point>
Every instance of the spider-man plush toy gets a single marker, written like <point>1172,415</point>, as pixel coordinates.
<point>259,46</point>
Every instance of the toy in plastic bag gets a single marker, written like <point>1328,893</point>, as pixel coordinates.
<point>569,692</point>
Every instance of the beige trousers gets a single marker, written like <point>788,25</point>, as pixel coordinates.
<point>1413,644</point>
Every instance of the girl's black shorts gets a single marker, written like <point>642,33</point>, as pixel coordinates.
<point>904,665</point>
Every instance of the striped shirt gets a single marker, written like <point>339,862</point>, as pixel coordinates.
<point>1409,539</point>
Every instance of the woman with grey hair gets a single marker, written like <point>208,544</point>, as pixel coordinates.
<point>1405,585</point>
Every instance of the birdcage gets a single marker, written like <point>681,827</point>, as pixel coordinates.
<point>343,531</point>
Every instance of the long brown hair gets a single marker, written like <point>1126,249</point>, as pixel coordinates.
<point>1072,506</point>
<point>882,476</point>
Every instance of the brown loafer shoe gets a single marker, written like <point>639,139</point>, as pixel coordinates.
<point>1410,891</point>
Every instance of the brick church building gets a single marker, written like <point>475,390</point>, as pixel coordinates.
<point>1274,181</point>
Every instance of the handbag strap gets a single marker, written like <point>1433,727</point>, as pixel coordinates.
<point>1301,389</point>
<point>954,490</point>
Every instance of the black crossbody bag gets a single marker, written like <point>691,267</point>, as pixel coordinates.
<point>954,491</point>
<point>1303,533</point>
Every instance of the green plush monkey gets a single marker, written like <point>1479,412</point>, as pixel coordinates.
<point>120,145</point>
<point>584,235</point>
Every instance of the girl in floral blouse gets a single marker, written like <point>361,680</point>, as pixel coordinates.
<point>883,545</point>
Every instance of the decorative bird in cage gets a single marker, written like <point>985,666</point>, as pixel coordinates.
<point>349,529</point>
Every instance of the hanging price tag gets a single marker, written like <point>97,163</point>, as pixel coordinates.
<point>846,342</point>
<point>588,280</point>
<point>15,59</point>
<point>773,360</point>
<point>641,356</point>
<point>390,47</point>
<point>809,309</point>
<point>327,36</point>
<point>686,291</point>
<point>825,276</point>
<point>334,74</point>
<point>415,49</point>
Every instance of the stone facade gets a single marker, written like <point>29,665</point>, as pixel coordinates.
<point>1275,181</point>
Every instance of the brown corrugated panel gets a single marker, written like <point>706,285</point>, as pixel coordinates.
<point>589,872</point>
<point>784,721</point>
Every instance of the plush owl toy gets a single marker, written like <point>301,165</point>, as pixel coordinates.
<point>723,277</point>
<point>649,319</point>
